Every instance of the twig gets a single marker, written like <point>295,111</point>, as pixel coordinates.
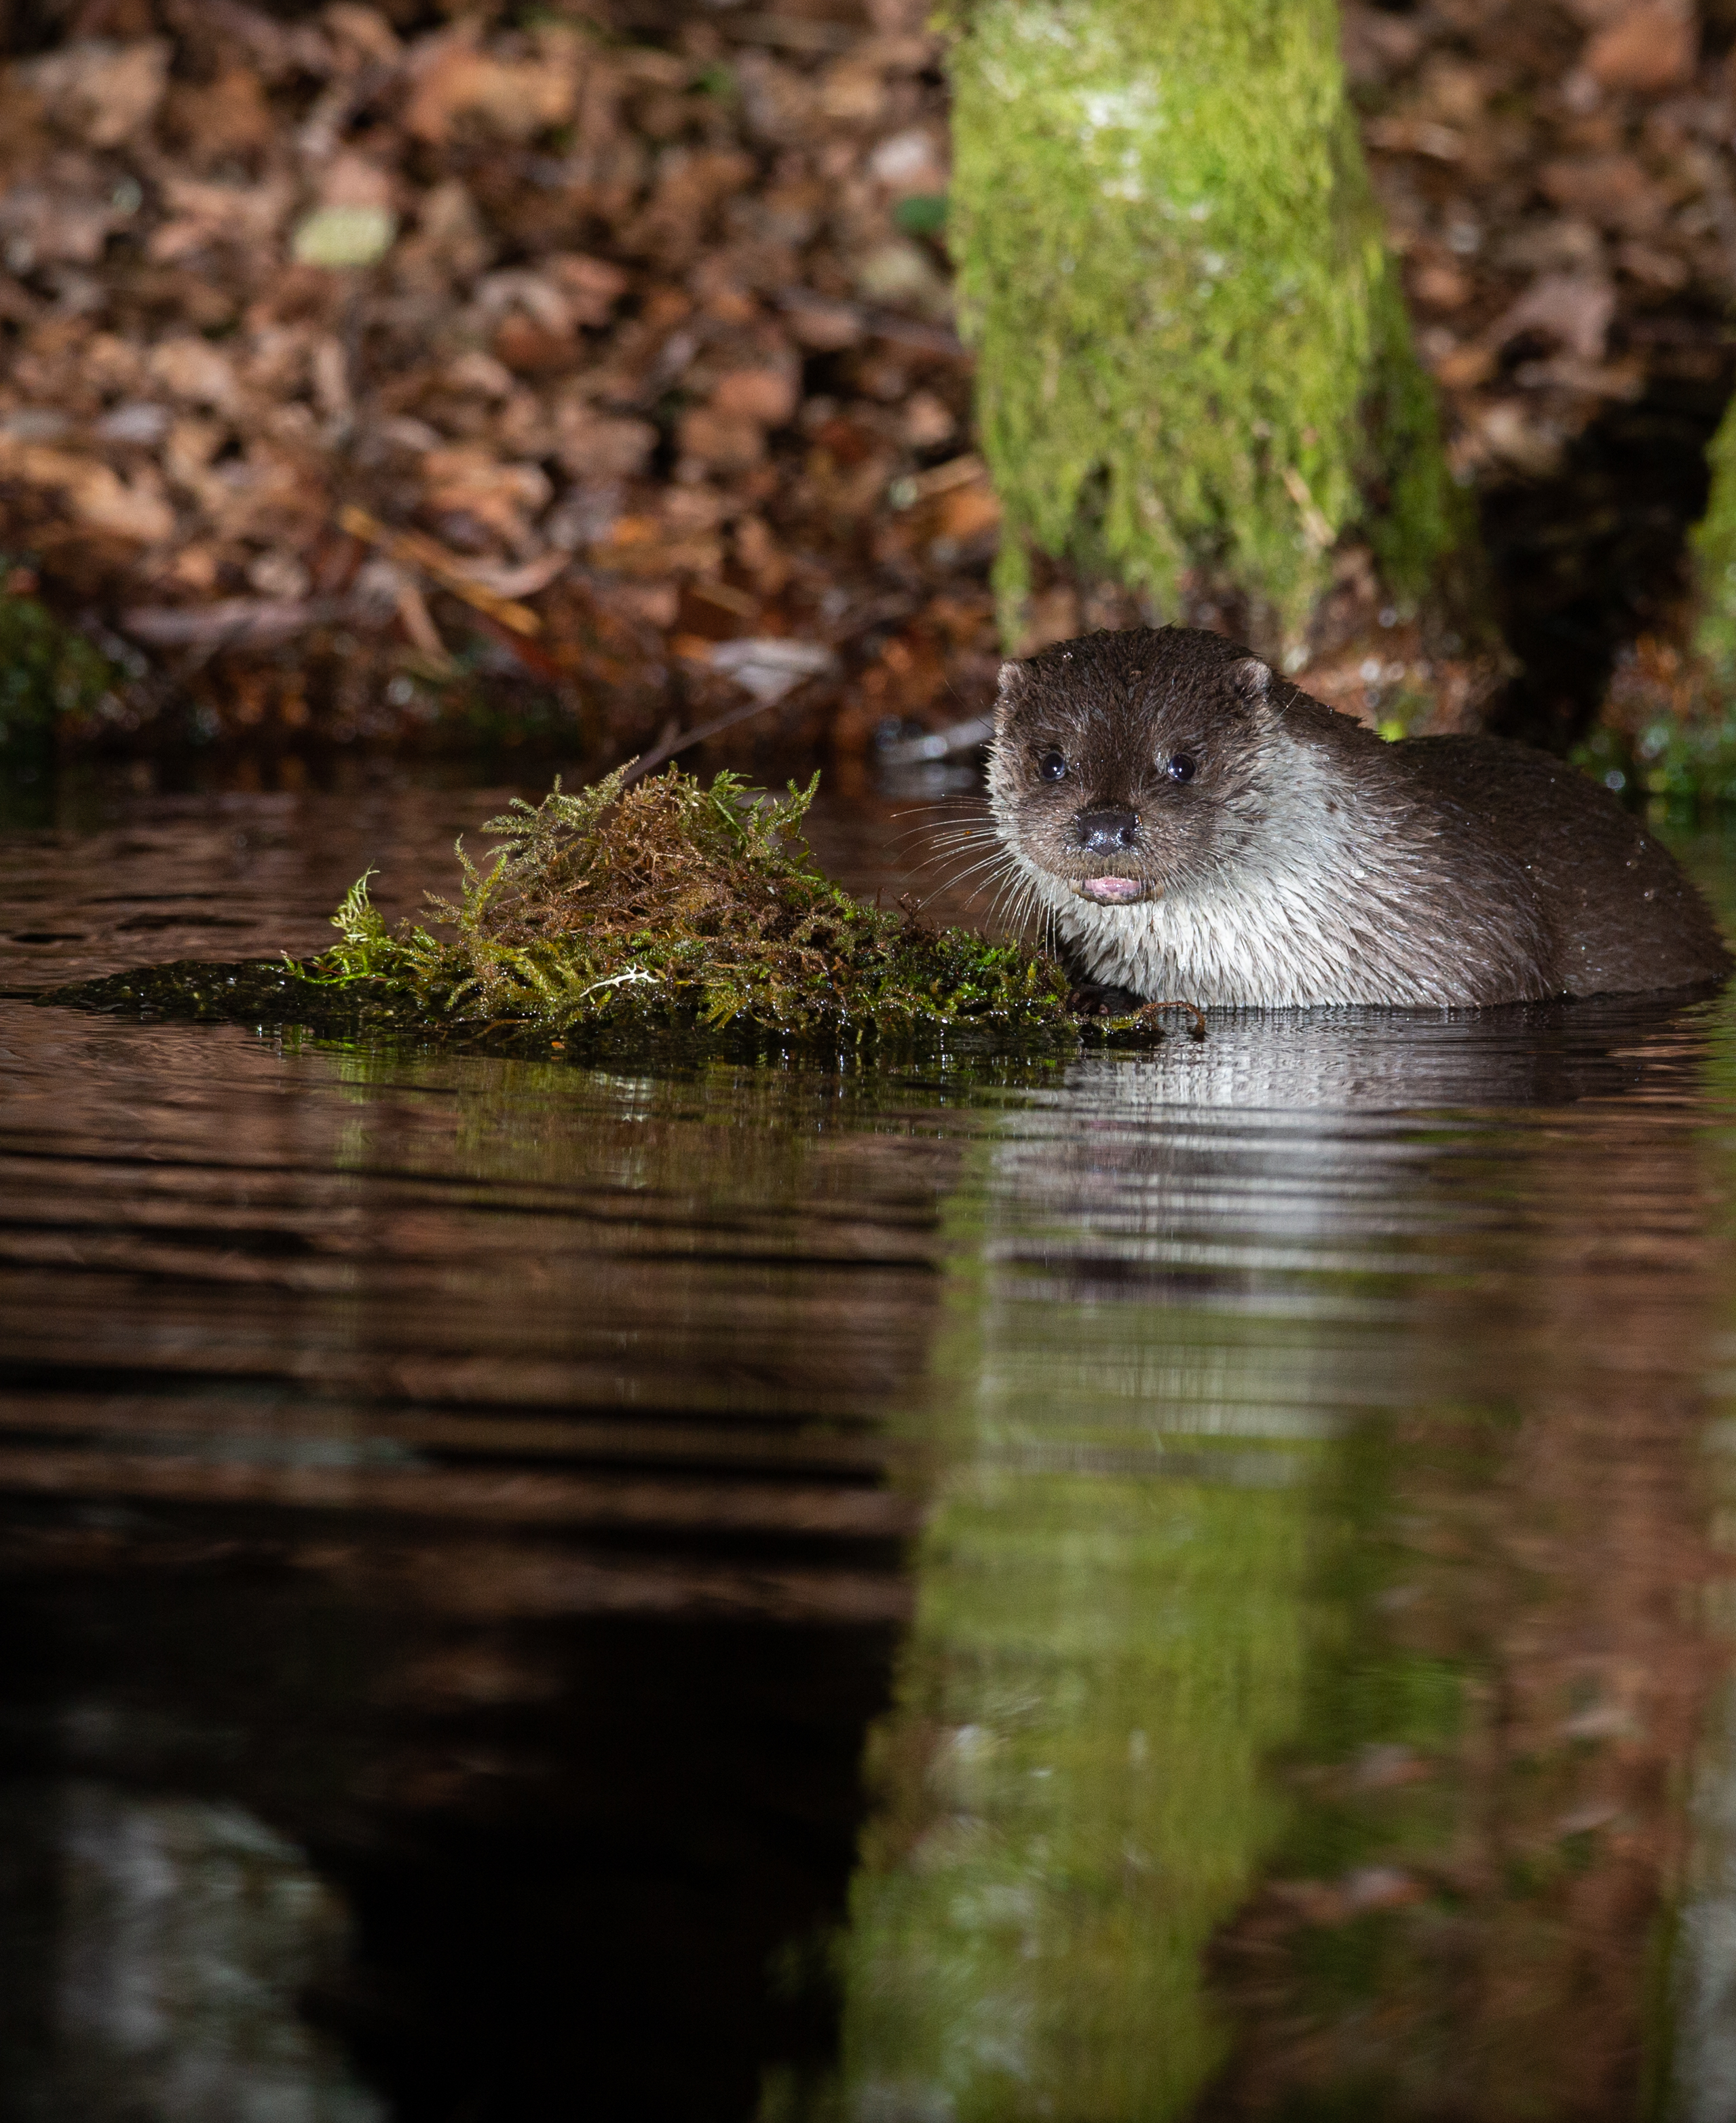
<point>1315,528</point>
<point>419,624</point>
<point>1180,1003</point>
<point>936,744</point>
<point>231,622</point>
<point>427,553</point>
<point>649,761</point>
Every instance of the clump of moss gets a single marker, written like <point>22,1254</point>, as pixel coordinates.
<point>1194,353</point>
<point>617,913</point>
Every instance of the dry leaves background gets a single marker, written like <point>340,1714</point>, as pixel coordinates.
<point>364,366</point>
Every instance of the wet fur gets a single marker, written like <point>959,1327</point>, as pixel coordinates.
<point>1310,862</point>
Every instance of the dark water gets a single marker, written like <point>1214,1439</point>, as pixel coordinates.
<point>1147,1588</point>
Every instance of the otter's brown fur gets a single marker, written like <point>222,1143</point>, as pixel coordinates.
<point>1198,827</point>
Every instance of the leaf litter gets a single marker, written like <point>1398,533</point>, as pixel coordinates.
<point>636,319</point>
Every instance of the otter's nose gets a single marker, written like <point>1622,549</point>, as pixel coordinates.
<point>1101,832</point>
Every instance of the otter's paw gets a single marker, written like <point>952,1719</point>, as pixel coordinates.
<point>1092,999</point>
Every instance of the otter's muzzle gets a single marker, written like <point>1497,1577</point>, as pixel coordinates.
<point>1107,832</point>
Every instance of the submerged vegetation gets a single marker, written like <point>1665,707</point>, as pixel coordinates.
<point>618,913</point>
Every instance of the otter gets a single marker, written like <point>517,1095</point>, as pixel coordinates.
<point>1201,830</point>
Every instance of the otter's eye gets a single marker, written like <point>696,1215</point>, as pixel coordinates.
<point>1052,766</point>
<point>1180,768</point>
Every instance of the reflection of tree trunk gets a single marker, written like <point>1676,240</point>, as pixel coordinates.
<point>1470,1917</point>
<point>1701,2076</point>
<point>1053,1852</point>
<point>1366,1443</point>
<point>1111,1634</point>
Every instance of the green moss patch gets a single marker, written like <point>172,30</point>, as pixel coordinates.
<point>47,671</point>
<point>1668,726</point>
<point>1713,546</point>
<point>619,917</point>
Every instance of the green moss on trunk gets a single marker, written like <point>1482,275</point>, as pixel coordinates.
<point>1714,556</point>
<point>49,674</point>
<point>1194,353</point>
<point>1666,725</point>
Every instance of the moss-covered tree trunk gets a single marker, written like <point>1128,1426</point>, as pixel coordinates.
<point>1668,722</point>
<point>1714,554</point>
<point>1196,368</point>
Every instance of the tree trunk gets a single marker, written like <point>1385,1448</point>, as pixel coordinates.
<point>1667,726</point>
<point>1714,556</point>
<point>1196,376</point>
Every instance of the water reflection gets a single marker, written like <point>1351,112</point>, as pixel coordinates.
<point>464,1525</point>
<point>1703,2060</point>
<point>179,1939</point>
<point>1297,1429</point>
<point>480,1479</point>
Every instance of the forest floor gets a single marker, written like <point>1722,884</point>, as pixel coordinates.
<point>373,375</point>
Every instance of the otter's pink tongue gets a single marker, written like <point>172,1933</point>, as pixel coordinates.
<point>1112,891</point>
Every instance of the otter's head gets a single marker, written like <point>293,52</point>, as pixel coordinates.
<point>1122,763</point>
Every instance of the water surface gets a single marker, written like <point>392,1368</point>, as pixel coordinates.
<point>1157,1587</point>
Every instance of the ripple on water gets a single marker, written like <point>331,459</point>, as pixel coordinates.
<point>466,1526</point>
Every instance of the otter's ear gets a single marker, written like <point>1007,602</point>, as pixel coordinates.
<point>1250,680</point>
<point>1014,678</point>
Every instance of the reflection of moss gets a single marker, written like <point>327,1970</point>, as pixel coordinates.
<point>1109,1660</point>
<point>1367,1691</point>
<point>667,908</point>
<point>1110,1637</point>
<point>1194,353</point>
